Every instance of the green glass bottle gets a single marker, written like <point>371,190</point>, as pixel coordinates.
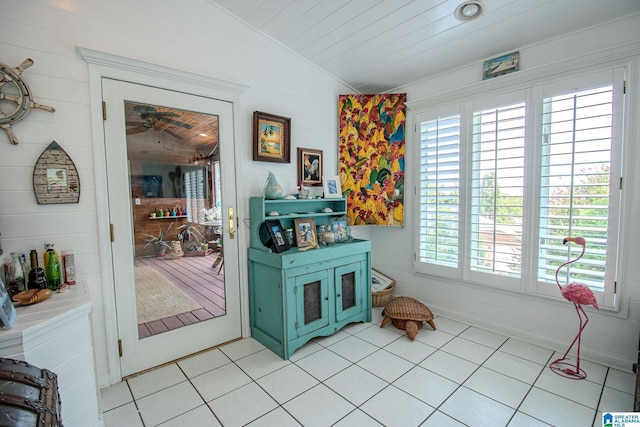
<point>52,270</point>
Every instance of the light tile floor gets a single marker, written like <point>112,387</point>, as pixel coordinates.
<point>367,376</point>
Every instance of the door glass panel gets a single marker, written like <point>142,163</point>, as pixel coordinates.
<point>312,301</point>
<point>348,290</point>
<point>175,182</point>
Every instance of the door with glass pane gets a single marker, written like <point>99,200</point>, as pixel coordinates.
<point>171,180</point>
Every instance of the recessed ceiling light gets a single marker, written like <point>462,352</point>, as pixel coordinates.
<point>469,10</point>
<point>202,134</point>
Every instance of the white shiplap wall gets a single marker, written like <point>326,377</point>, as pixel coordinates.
<point>193,36</point>
<point>197,37</point>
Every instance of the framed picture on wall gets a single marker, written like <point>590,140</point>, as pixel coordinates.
<point>271,138</point>
<point>332,187</point>
<point>501,65</point>
<point>309,166</point>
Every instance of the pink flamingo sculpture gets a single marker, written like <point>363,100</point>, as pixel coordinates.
<point>579,294</point>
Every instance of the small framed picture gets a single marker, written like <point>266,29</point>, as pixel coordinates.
<point>341,229</point>
<point>57,181</point>
<point>332,187</point>
<point>305,230</point>
<point>501,65</point>
<point>309,166</point>
<point>379,281</point>
<point>271,138</point>
<point>279,242</point>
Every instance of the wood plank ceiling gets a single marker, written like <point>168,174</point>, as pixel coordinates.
<point>157,134</point>
<point>376,46</point>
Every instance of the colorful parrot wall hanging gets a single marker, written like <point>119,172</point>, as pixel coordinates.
<point>372,157</point>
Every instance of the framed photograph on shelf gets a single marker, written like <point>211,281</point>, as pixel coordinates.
<point>332,187</point>
<point>379,281</point>
<point>279,242</point>
<point>341,229</point>
<point>309,166</point>
<point>305,231</point>
<point>271,138</point>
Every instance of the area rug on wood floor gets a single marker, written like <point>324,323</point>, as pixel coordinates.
<point>157,297</point>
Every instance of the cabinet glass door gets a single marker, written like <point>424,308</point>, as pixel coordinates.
<point>312,302</point>
<point>348,283</point>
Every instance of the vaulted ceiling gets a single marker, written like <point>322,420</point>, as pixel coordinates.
<point>378,45</point>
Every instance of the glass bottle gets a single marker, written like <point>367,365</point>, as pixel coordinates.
<point>328,237</point>
<point>69,267</point>
<point>52,269</point>
<point>48,249</point>
<point>25,266</point>
<point>288,233</point>
<point>37,276</point>
<point>15,276</point>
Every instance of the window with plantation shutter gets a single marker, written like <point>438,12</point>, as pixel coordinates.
<point>439,190</point>
<point>504,180</point>
<point>497,189</point>
<point>577,133</point>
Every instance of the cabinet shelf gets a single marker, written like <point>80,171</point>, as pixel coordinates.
<point>169,217</point>
<point>290,209</point>
<point>305,215</point>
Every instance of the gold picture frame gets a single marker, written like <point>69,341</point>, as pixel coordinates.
<point>305,232</point>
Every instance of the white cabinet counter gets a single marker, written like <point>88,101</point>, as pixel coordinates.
<point>56,334</point>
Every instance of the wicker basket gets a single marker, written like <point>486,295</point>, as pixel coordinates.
<point>381,298</point>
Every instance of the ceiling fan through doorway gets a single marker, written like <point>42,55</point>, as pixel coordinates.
<point>151,118</point>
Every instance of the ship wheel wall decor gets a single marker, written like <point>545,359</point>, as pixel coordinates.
<point>15,93</point>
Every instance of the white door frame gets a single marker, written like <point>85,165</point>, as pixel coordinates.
<point>105,65</point>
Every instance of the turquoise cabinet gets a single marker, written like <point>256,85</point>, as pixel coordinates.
<point>298,295</point>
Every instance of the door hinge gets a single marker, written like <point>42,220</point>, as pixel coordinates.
<point>111,232</point>
<point>615,287</point>
<point>621,183</point>
<point>624,87</point>
<point>119,348</point>
<point>104,110</point>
